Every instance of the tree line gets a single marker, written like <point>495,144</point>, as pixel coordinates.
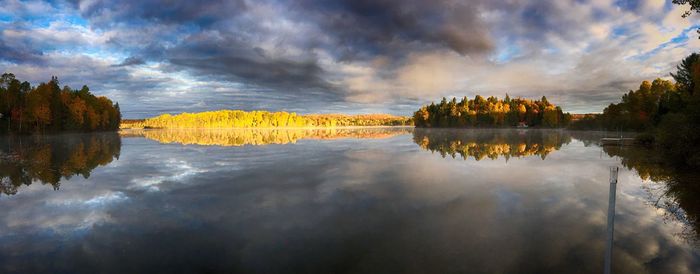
<point>638,110</point>
<point>24,108</point>
<point>263,119</point>
<point>491,112</point>
<point>667,113</point>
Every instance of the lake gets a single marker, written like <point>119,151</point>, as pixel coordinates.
<point>365,200</point>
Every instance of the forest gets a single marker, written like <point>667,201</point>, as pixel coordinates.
<point>667,113</point>
<point>639,110</point>
<point>47,107</point>
<point>491,112</point>
<point>264,119</point>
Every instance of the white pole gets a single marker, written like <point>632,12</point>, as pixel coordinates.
<point>611,219</point>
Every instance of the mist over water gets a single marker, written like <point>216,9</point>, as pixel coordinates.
<point>381,200</point>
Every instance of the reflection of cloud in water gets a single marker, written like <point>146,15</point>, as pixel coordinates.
<point>97,201</point>
<point>173,171</point>
<point>670,189</point>
<point>548,223</point>
<point>370,206</point>
<point>60,213</point>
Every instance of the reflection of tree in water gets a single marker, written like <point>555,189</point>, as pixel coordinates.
<point>48,159</point>
<point>240,137</point>
<point>671,189</point>
<point>480,144</point>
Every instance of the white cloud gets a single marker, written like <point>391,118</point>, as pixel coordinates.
<point>584,53</point>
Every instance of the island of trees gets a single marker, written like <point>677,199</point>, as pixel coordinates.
<point>491,112</point>
<point>264,119</point>
<point>24,108</point>
<point>667,113</point>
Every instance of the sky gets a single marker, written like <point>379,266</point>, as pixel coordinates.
<point>344,56</point>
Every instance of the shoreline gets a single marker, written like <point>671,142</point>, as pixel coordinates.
<point>267,128</point>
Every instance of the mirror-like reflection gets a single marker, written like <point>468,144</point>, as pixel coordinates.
<point>347,206</point>
<point>492,144</point>
<point>49,159</point>
<point>674,191</point>
<point>241,137</point>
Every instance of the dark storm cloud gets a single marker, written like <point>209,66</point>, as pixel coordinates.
<point>18,48</point>
<point>227,56</point>
<point>356,28</point>
<point>345,55</point>
<point>131,61</point>
<point>20,55</point>
<point>224,43</point>
<point>221,46</point>
<point>535,20</point>
<point>366,28</point>
<point>221,40</point>
<point>541,15</point>
<point>202,13</point>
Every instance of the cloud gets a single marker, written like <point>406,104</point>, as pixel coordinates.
<point>131,61</point>
<point>19,55</point>
<point>215,54</point>
<point>317,56</point>
<point>364,29</point>
<point>106,13</point>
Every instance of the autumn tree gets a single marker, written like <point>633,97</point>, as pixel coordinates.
<point>490,112</point>
<point>47,107</point>
<point>264,119</point>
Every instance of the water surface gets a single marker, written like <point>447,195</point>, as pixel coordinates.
<point>337,201</point>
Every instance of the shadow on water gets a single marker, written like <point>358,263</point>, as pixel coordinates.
<point>492,144</point>
<point>50,158</point>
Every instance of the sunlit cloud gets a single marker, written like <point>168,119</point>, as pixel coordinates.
<point>349,56</point>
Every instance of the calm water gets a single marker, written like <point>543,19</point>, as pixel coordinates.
<point>336,201</point>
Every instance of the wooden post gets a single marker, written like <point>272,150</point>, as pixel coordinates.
<point>611,219</point>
